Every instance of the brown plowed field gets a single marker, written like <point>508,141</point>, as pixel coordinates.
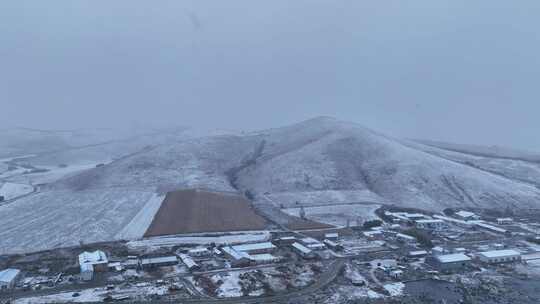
<point>192,211</point>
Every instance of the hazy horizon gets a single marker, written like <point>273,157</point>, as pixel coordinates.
<point>451,71</point>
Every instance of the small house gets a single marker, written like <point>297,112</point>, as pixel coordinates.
<point>303,251</point>
<point>449,262</point>
<point>159,262</point>
<point>499,256</point>
<point>256,248</point>
<point>9,277</point>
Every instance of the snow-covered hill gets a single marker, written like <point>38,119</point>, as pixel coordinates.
<point>325,154</point>
<point>317,162</point>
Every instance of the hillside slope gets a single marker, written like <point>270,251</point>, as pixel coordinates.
<point>325,154</point>
<point>321,161</point>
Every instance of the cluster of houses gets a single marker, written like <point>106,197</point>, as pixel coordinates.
<point>464,219</point>
<point>457,259</point>
<point>97,261</point>
<point>238,255</point>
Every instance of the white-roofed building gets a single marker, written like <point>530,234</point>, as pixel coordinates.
<point>188,261</point>
<point>9,277</point>
<point>285,240</point>
<point>333,245</point>
<point>491,228</point>
<point>302,250</point>
<point>90,262</point>
<point>331,236</point>
<point>438,250</point>
<point>199,252</point>
<point>405,238</point>
<point>466,215</point>
<point>418,253</point>
<point>316,246</point>
<point>453,221</point>
<point>499,256</point>
<point>238,258</point>
<point>256,248</point>
<point>87,272</point>
<point>505,221</point>
<point>431,224</point>
<point>264,258</point>
<point>449,262</point>
<point>373,234</point>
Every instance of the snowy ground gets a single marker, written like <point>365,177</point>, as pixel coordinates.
<point>338,215</point>
<point>231,284</point>
<point>12,190</point>
<point>96,295</point>
<point>8,159</point>
<point>395,289</point>
<point>256,282</point>
<point>324,197</point>
<point>140,223</point>
<point>65,218</point>
<point>53,173</point>
<point>349,294</point>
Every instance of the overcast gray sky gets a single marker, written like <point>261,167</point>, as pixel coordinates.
<point>455,70</point>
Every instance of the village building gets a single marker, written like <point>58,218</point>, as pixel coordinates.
<point>436,224</point>
<point>303,251</point>
<point>384,263</point>
<point>312,243</point>
<point>396,274</point>
<point>466,215</point>
<point>159,262</point>
<point>438,250</point>
<point>332,245</point>
<point>499,256</point>
<point>448,262</point>
<point>90,262</point>
<point>256,248</point>
<point>9,277</point>
<point>459,250</point>
<point>491,228</point>
<point>331,236</point>
<point>115,266</point>
<point>189,262</point>
<point>98,260</point>
<point>454,221</point>
<point>237,258</point>
<point>505,221</point>
<point>374,235</point>
<point>285,240</point>
<point>87,272</point>
<point>418,254</point>
<point>264,258</point>
<point>405,238</point>
<point>199,252</point>
<point>131,263</point>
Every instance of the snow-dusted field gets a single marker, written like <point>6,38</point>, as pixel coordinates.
<point>324,197</point>
<point>95,295</point>
<point>338,215</point>
<point>53,174</point>
<point>64,218</point>
<point>12,190</point>
<point>140,223</point>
